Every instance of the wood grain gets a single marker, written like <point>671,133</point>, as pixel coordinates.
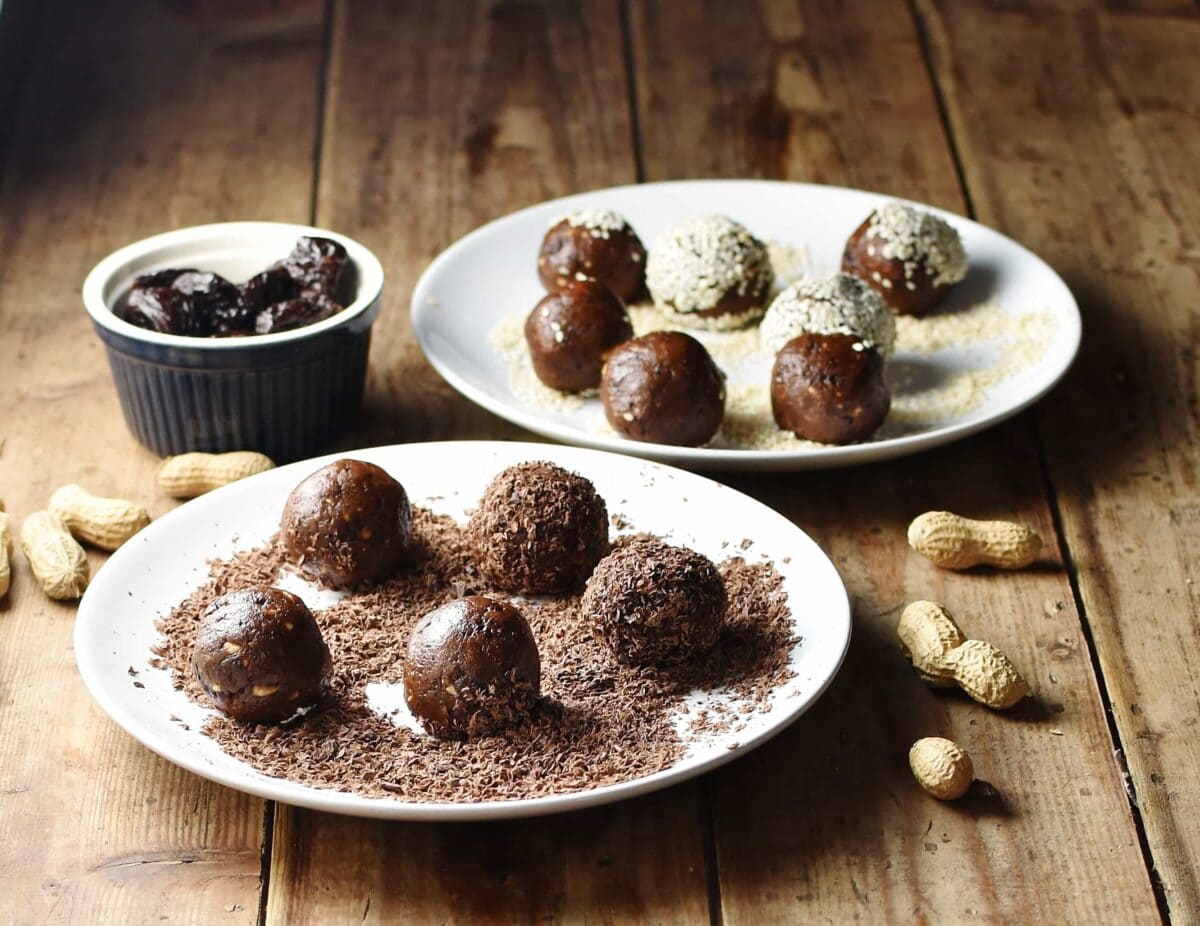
<point>440,117</point>
<point>134,119</point>
<point>826,823</point>
<point>1083,147</point>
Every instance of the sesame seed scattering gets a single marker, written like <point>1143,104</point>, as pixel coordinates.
<point>600,222</point>
<point>918,238</point>
<point>711,272</point>
<point>599,722</point>
<point>841,304</point>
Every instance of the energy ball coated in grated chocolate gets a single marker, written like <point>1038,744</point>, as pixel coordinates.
<point>472,668</point>
<point>571,331</point>
<point>593,244</point>
<point>663,388</point>
<point>348,523</point>
<point>539,530</point>
<point>259,655</point>
<point>829,388</point>
<point>654,604</point>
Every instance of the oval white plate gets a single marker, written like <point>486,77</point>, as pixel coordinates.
<point>490,274</point>
<point>115,627</point>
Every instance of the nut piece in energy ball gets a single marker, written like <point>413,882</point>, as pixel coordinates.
<point>663,388</point>
<point>348,523</point>
<point>840,304</point>
<point>711,273</point>
<point>654,604</point>
<point>472,668</point>
<point>539,530</point>
<point>829,388</point>
<point>593,244</point>
<point>910,256</point>
<point>941,767</point>
<point>571,331</point>
<point>259,655</point>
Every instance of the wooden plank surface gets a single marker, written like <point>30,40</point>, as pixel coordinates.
<point>440,117</point>
<point>826,824</point>
<point>1084,146</point>
<point>135,119</point>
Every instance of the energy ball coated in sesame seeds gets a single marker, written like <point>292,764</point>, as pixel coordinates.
<point>663,388</point>
<point>711,272</point>
<point>539,530</point>
<point>472,668</point>
<point>841,304</point>
<point>829,388</point>
<point>911,257</point>
<point>593,244</point>
<point>654,604</point>
<point>571,331</point>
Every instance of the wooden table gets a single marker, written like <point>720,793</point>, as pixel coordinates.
<point>1070,126</point>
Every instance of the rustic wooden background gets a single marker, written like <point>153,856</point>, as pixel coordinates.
<point>1072,126</point>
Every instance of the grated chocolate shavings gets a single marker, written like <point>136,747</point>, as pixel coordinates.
<point>598,723</point>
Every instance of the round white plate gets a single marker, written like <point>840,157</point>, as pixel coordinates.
<point>490,274</point>
<point>115,627</point>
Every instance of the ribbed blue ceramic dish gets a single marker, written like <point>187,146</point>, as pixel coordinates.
<point>288,395</point>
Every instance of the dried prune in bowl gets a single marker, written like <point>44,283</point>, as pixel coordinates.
<point>316,264</point>
<point>269,287</point>
<point>295,313</point>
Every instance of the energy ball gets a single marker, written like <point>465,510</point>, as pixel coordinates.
<point>348,523</point>
<point>571,331</point>
<point>909,256</point>
<point>841,304</point>
<point>259,655</point>
<point>472,668</point>
<point>711,273</point>
<point>654,604</point>
<point>539,530</point>
<point>663,388</point>
<point>593,244</point>
<point>829,388</point>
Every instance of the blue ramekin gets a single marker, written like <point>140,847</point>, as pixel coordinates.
<point>288,395</point>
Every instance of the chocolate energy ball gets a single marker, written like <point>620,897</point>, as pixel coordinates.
<point>259,655</point>
<point>539,530</point>
<point>910,256</point>
<point>593,244</point>
<point>348,523</point>
<point>841,304</point>
<point>654,604</point>
<point>711,273</point>
<point>571,331</point>
<point>663,388</point>
<point>472,668</point>
<point>829,388</point>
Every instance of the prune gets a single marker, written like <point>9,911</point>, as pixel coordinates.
<point>188,302</point>
<point>215,304</point>
<point>295,313</point>
<point>316,264</point>
<point>154,305</point>
<point>269,287</point>
<point>294,292</point>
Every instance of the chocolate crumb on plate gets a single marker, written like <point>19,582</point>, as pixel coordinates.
<point>598,723</point>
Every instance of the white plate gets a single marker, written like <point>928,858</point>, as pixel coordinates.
<point>490,274</point>
<point>161,565</point>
